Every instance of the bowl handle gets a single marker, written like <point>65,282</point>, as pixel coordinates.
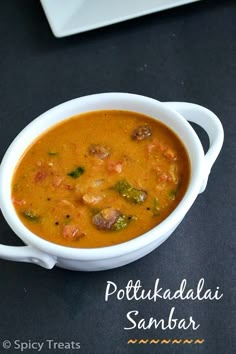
<point>210,123</point>
<point>27,254</point>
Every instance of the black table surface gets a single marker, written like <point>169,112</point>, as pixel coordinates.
<point>182,54</point>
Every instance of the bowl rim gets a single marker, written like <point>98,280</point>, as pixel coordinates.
<point>126,247</point>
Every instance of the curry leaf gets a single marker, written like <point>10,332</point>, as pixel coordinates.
<point>76,173</point>
<point>52,153</point>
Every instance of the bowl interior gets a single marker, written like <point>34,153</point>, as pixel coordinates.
<point>130,102</point>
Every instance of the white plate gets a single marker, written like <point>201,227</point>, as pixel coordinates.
<point>68,17</point>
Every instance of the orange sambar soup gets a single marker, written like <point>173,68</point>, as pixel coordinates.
<point>100,178</point>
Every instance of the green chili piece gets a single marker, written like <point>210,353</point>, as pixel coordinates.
<point>28,214</point>
<point>172,194</point>
<point>122,222</point>
<point>129,192</point>
<point>156,207</point>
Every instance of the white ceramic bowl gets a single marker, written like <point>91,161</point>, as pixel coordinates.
<point>174,115</point>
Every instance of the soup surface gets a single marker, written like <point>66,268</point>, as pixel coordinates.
<point>100,178</point>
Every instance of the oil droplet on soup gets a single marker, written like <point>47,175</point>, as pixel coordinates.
<point>100,178</point>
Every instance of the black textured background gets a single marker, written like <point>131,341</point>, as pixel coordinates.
<point>186,54</point>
